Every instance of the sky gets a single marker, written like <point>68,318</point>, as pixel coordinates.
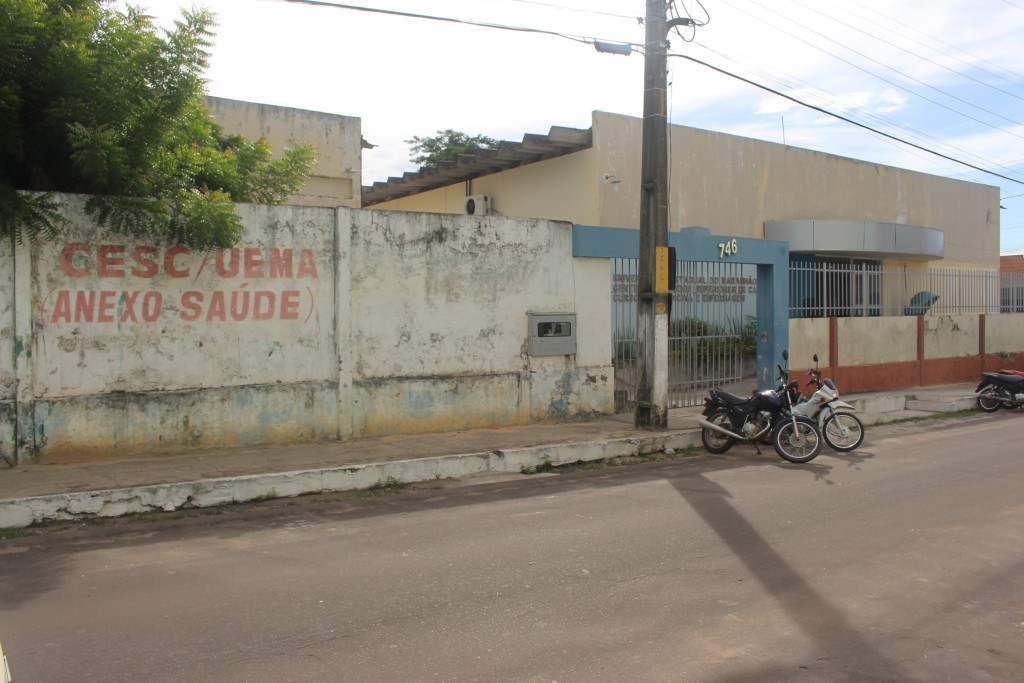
<point>946,76</point>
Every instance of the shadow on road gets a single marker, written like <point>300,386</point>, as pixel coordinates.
<point>822,623</point>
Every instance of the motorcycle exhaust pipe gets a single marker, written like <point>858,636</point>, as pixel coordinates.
<point>708,425</point>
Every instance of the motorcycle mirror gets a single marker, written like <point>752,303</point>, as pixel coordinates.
<point>815,358</point>
<point>785,354</point>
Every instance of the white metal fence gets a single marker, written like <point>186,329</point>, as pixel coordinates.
<point>825,290</point>
<point>711,338</point>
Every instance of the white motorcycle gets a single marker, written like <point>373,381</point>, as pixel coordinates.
<point>841,428</point>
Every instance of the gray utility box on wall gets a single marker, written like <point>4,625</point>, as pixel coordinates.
<point>552,334</point>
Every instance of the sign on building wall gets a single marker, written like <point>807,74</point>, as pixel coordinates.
<point>117,314</point>
<point>118,283</point>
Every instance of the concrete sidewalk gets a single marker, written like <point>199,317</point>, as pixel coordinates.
<point>31,494</point>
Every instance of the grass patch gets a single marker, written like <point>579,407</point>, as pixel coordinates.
<point>386,487</point>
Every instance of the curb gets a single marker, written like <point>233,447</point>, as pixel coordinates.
<point>23,512</point>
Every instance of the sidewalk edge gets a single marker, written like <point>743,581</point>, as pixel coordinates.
<point>114,502</point>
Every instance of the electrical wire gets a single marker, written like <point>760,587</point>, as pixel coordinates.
<point>902,49</point>
<point>878,119</point>
<point>576,9</point>
<point>677,21</point>
<point>892,83</point>
<point>847,119</point>
<point>976,58</point>
<point>505,27</point>
<point>684,21</point>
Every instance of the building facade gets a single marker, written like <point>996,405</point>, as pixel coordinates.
<point>335,180</point>
<point>825,206</point>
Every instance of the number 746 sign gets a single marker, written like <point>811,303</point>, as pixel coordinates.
<point>730,248</point>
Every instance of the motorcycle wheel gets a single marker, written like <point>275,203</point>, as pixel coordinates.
<point>798,444</point>
<point>990,399</point>
<point>716,442</point>
<point>843,432</point>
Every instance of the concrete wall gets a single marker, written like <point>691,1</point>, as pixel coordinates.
<point>951,336</point>
<point>8,343</point>
<point>808,336</point>
<point>865,341</point>
<point>321,324</point>
<point>877,353</point>
<point>1004,334</point>
<point>439,322</point>
<point>336,178</point>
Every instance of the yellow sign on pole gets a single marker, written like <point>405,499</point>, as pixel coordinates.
<point>661,266</point>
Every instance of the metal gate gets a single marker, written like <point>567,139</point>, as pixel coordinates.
<point>712,330</point>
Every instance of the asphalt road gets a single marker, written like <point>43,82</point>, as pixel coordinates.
<point>903,561</point>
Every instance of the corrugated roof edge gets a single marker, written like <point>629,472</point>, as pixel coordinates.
<point>558,142</point>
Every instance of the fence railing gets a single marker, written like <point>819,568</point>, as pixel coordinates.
<point>825,290</point>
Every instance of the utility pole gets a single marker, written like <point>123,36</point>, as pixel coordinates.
<point>653,297</point>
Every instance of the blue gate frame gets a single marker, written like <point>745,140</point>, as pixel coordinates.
<point>698,244</point>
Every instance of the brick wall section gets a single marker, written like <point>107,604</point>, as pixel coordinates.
<point>1012,264</point>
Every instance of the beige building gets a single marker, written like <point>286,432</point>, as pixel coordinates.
<point>335,180</point>
<point>825,206</point>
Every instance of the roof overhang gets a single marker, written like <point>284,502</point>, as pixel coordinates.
<point>558,142</point>
<point>859,239</point>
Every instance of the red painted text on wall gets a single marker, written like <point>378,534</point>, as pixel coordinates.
<point>119,261</point>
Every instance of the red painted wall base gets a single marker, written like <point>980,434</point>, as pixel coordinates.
<point>916,373</point>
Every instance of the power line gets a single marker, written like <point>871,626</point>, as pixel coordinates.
<point>590,40</point>
<point>909,52</point>
<point>892,83</point>
<point>942,42</point>
<point>577,9</point>
<point>848,120</point>
<point>796,84</point>
<point>504,27</point>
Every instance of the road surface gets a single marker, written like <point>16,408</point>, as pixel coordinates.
<point>901,561</point>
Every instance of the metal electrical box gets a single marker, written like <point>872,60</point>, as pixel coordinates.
<point>552,334</point>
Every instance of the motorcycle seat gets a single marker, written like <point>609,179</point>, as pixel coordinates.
<point>733,399</point>
<point>1005,378</point>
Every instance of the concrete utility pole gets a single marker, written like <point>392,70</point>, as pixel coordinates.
<point>653,296</point>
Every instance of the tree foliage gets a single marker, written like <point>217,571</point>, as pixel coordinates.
<point>98,102</point>
<point>447,145</point>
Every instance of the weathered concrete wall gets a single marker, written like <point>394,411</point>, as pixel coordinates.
<point>439,322</point>
<point>8,379</point>
<point>951,336</point>
<point>119,315</point>
<point>866,341</point>
<point>872,354</point>
<point>1004,333</point>
<point>335,180</point>
<point>142,347</point>
<point>808,336</point>
<point>321,324</point>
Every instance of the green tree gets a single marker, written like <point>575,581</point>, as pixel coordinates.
<point>98,102</point>
<point>447,145</point>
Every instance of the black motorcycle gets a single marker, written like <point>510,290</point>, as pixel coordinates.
<point>1000,390</point>
<point>735,419</point>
